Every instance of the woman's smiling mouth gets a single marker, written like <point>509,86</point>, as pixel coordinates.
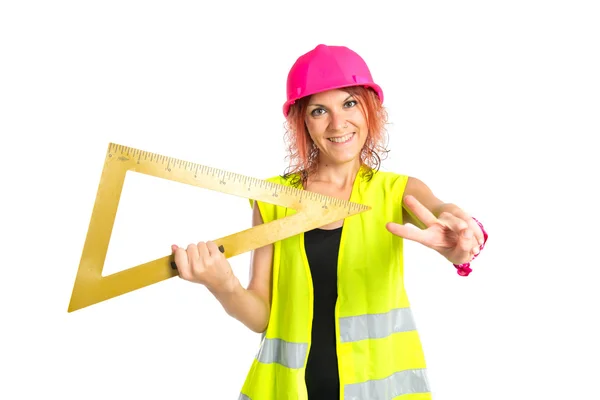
<point>342,139</point>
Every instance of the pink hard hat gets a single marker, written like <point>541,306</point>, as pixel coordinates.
<point>325,68</point>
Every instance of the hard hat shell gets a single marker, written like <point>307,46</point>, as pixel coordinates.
<point>325,68</point>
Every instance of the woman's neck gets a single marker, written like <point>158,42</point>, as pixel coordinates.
<point>340,175</point>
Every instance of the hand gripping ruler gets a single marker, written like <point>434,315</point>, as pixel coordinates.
<point>90,287</point>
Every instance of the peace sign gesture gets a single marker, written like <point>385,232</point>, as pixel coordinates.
<point>456,236</point>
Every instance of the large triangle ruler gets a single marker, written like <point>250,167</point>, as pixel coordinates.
<point>312,211</point>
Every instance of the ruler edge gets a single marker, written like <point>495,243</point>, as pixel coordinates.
<point>115,148</point>
<point>346,203</point>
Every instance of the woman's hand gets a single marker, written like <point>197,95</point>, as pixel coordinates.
<point>456,236</point>
<point>203,263</point>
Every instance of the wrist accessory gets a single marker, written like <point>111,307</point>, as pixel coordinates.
<point>465,269</point>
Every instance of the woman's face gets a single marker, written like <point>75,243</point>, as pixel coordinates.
<point>337,125</point>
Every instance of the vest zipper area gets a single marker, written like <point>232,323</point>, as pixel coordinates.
<point>337,314</point>
<point>340,262</point>
<point>355,184</point>
<point>311,306</point>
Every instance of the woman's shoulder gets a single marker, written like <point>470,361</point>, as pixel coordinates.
<point>382,177</point>
<point>369,176</point>
<point>291,179</point>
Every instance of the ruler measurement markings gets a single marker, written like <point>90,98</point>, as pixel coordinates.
<point>309,215</point>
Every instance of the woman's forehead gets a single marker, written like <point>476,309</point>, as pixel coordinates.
<point>333,95</point>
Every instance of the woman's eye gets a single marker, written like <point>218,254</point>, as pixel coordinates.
<point>351,103</point>
<point>317,111</point>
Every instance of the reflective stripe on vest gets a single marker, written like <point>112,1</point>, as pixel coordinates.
<point>379,350</point>
<point>403,382</point>
<point>352,329</point>
<point>290,355</point>
<point>376,326</point>
<point>362,327</point>
<point>400,383</point>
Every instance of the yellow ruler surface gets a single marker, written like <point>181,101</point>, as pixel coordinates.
<point>90,287</point>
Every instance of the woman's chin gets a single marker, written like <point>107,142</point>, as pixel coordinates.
<point>342,158</point>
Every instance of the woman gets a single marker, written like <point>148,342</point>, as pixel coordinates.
<point>331,303</point>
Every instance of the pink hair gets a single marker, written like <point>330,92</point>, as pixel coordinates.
<point>302,154</point>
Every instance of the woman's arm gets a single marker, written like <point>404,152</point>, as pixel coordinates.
<point>252,306</point>
<point>444,227</point>
<point>420,191</point>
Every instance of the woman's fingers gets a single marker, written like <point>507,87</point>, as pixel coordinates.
<point>420,211</point>
<point>182,262</point>
<point>407,232</point>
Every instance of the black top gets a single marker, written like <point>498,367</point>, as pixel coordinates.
<point>322,377</point>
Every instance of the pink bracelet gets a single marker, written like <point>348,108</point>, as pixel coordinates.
<point>465,269</point>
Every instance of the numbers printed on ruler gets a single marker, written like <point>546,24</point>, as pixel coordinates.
<point>91,287</point>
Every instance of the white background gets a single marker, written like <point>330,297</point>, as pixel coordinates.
<point>494,105</point>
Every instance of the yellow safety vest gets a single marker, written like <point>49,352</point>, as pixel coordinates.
<point>379,350</point>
